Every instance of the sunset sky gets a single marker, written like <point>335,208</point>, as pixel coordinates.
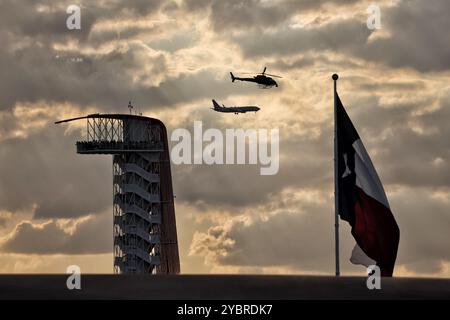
<point>170,58</point>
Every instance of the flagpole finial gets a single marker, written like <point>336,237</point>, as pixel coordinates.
<point>335,77</point>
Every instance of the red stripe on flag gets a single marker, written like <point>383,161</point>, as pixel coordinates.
<point>376,232</point>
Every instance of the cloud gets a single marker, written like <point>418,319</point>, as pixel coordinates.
<point>90,236</point>
<point>293,231</point>
<point>256,14</point>
<point>406,141</point>
<point>44,170</point>
<point>296,233</point>
<point>55,264</point>
<point>176,42</point>
<point>45,61</point>
<point>95,80</point>
<point>413,33</point>
<point>423,221</point>
<point>238,186</point>
<point>193,5</point>
<point>43,74</point>
<point>240,14</point>
<point>416,36</point>
<point>341,36</point>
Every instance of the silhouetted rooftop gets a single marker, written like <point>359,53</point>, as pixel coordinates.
<point>120,116</point>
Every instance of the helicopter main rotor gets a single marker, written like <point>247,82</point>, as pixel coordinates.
<point>263,73</point>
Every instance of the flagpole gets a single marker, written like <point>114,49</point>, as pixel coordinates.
<point>335,77</point>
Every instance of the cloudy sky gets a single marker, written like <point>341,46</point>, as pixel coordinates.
<point>170,58</point>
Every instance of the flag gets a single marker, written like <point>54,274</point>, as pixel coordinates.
<point>362,201</point>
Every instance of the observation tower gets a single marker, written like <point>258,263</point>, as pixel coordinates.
<point>144,228</point>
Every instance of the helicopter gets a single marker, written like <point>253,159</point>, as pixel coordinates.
<point>261,79</point>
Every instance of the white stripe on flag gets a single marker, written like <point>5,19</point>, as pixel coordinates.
<point>366,176</point>
<point>359,257</point>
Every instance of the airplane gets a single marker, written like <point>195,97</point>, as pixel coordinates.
<point>261,79</point>
<point>235,110</point>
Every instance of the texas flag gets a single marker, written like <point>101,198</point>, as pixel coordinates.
<point>362,201</point>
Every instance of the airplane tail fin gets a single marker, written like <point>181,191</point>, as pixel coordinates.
<point>232,77</point>
<point>215,104</point>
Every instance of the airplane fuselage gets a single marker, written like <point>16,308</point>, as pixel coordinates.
<point>236,110</point>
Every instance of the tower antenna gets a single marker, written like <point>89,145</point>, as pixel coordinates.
<point>130,106</point>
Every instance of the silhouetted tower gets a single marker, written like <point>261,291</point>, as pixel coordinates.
<point>145,235</point>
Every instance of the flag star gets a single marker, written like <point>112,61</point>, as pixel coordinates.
<point>347,169</point>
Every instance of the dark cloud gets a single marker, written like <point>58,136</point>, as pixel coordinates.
<point>423,220</point>
<point>24,20</point>
<point>97,38</point>
<point>255,14</point>
<point>46,75</point>
<point>312,61</point>
<point>44,170</point>
<point>44,22</point>
<point>104,80</point>
<point>238,14</point>
<point>34,69</point>
<point>365,84</point>
<point>297,64</point>
<point>89,237</point>
<point>341,36</point>
<point>194,5</point>
<point>417,36</point>
<point>176,42</point>
<point>236,186</point>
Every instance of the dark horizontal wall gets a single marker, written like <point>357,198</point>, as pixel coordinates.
<point>209,287</point>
